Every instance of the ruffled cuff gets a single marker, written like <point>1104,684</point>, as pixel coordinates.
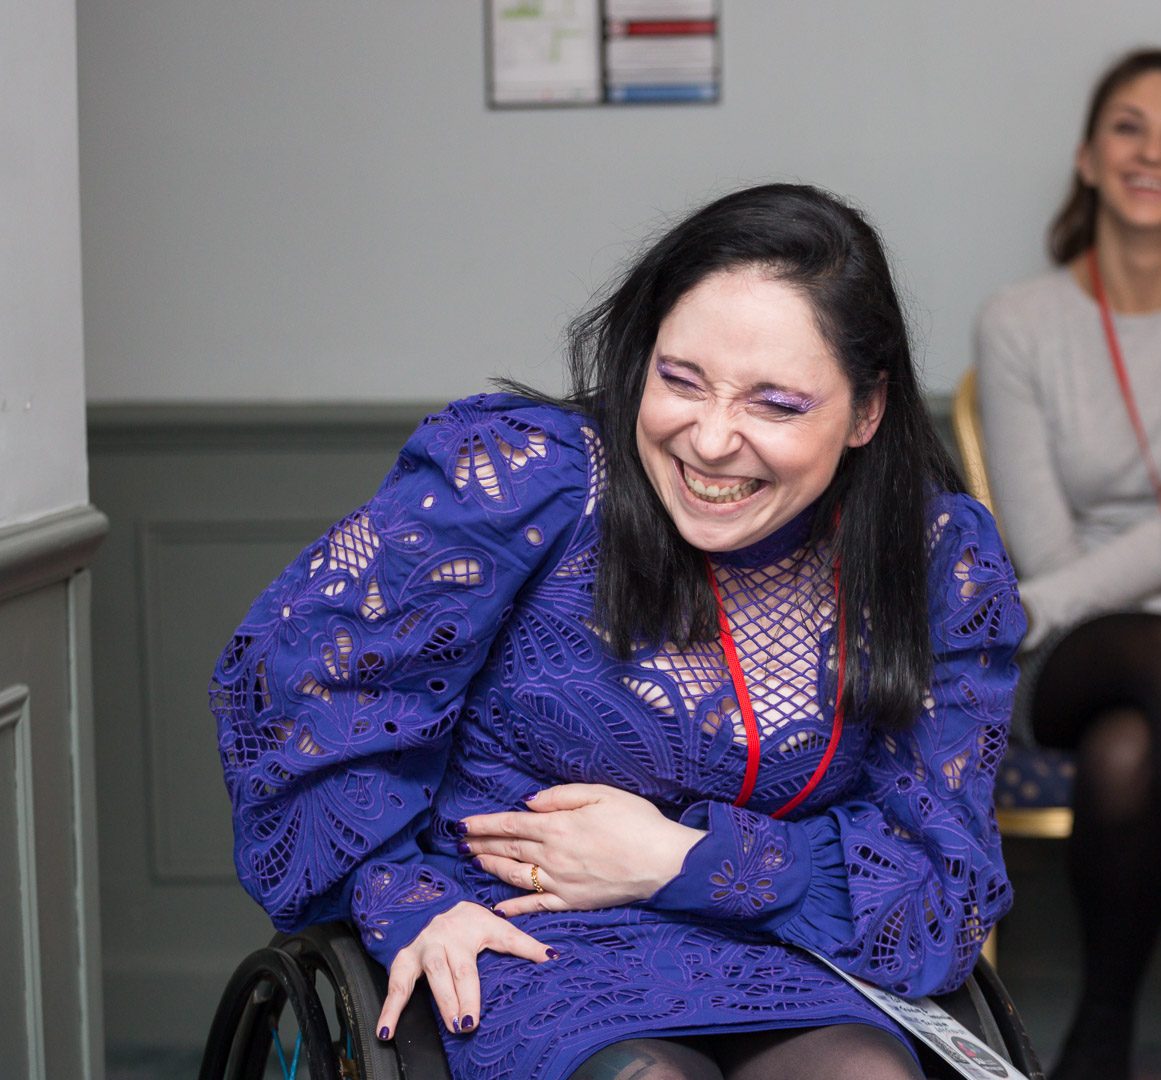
<point>823,922</point>
<point>391,903</point>
<point>747,870</point>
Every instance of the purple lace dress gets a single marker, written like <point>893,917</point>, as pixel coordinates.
<point>435,655</point>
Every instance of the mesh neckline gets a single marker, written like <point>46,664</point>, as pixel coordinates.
<point>769,549</point>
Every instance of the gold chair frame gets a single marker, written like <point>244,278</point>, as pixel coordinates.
<point>1038,822</point>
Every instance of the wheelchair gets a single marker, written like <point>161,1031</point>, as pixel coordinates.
<point>306,1006</point>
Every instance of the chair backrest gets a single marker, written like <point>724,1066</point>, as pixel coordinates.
<point>969,438</point>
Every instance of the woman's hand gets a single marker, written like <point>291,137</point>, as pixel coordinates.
<point>592,846</point>
<point>445,951</point>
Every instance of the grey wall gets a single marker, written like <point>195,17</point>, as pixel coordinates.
<point>42,401</point>
<point>295,201</point>
<point>50,1002</point>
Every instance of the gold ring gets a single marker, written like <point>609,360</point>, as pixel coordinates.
<point>536,878</point>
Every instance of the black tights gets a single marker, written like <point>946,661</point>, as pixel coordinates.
<point>1100,691</point>
<point>835,1052</point>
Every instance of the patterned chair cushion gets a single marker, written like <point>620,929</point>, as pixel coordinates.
<point>1030,776</point>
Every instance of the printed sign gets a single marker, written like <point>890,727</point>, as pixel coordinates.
<point>935,1027</point>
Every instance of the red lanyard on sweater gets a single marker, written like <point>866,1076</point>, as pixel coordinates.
<point>1123,375</point>
<point>750,778</point>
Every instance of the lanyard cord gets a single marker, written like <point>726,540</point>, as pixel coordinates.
<point>1123,375</point>
<point>750,723</point>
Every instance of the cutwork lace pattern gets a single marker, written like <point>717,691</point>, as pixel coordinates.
<point>435,655</point>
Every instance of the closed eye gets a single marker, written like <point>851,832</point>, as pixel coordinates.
<point>675,378</point>
<point>780,403</point>
<point>778,408</point>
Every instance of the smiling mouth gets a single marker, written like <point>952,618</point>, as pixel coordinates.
<point>718,491</point>
<point>1144,183</point>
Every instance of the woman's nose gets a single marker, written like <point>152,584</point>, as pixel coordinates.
<point>716,436</point>
<point>1151,145</point>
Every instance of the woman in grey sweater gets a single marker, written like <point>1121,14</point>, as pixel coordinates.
<point>1069,368</point>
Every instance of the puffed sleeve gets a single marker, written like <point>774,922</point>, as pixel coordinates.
<point>337,697</point>
<point>900,882</point>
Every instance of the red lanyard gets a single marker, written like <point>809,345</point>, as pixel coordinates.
<point>1122,375</point>
<point>750,778</point>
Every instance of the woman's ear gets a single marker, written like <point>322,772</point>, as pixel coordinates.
<point>869,414</point>
<point>1084,164</point>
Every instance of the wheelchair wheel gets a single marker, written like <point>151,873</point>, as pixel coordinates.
<point>245,1038</point>
<point>985,1008</point>
<point>998,1005</point>
<point>255,1037</point>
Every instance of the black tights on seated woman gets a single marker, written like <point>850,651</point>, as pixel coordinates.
<point>1100,692</point>
<point>834,1052</point>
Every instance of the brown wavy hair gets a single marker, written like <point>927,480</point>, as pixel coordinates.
<point>1073,230</point>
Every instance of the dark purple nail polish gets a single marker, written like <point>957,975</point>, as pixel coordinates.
<point>462,847</point>
<point>460,828</point>
<point>456,1024</point>
<point>467,1023</point>
<point>552,954</point>
<point>530,796</point>
<point>497,911</point>
<point>384,1033</point>
<point>476,862</point>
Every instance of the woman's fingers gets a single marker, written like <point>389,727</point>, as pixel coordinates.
<point>568,796</point>
<point>443,986</point>
<point>531,903</point>
<point>514,872</point>
<point>514,941</point>
<point>520,825</point>
<point>400,984</point>
<point>445,953</point>
<point>466,977</point>
<point>525,851</point>
<point>519,874</point>
<point>514,825</point>
<point>453,976</point>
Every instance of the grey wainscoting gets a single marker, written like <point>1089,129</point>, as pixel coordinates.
<point>50,1007</point>
<point>206,505</point>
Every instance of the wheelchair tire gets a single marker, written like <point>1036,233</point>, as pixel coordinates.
<point>239,1041</point>
<point>1002,1010</point>
<point>983,1006</point>
<point>292,970</point>
<point>334,951</point>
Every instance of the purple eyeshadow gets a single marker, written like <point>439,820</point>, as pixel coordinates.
<point>782,399</point>
<point>787,400</point>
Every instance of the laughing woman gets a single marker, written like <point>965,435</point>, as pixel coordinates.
<point>605,714</point>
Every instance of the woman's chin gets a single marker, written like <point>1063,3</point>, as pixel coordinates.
<point>725,526</point>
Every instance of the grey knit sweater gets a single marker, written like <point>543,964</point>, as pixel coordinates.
<point>1073,495</point>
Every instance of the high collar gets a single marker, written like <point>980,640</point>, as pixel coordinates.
<point>769,549</point>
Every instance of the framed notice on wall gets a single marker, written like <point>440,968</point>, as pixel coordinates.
<point>602,52</point>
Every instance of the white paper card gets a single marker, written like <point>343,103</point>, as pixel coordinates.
<point>936,1028</point>
<point>546,52</point>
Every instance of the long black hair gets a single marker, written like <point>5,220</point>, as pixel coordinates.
<point>651,584</point>
<point>1073,229</point>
